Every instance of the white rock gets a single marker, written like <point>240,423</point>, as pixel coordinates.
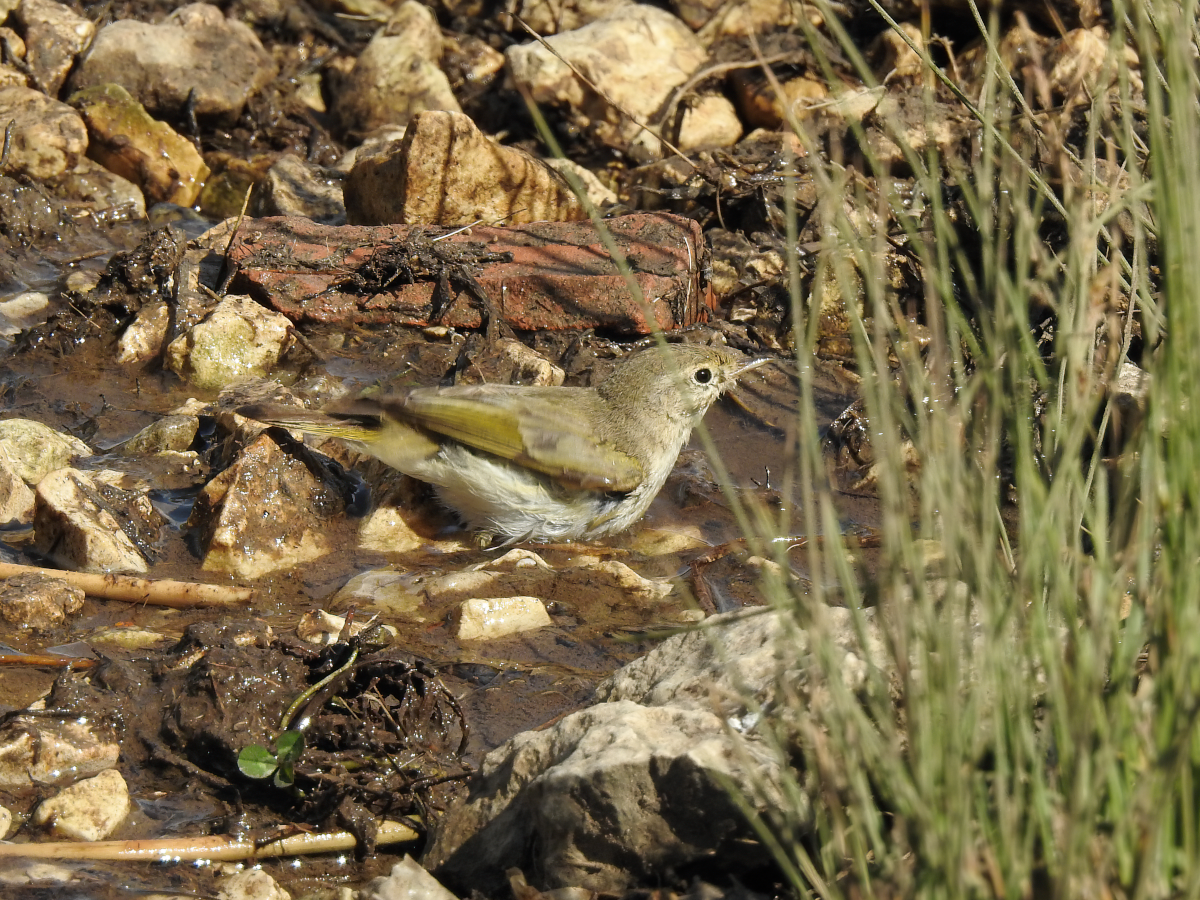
<point>482,619</point>
<point>36,450</point>
<point>142,340</point>
<point>252,884</point>
<point>88,810</point>
<point>321,627</point>
<point>636,55</point>
<point>39,750</point>
<point>6,822</point>
<point>407,881</point>
<point>239,339</point>
<point>78,534</point>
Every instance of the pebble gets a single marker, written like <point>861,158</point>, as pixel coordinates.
<point>485,619</point>
<point>194,51</point>
<point>448,172</point>
<point>397,75</point>
<point>89,810</point>
<point>636,55</point>
<point>126,140</point>
<point>48,137</point>
<point>239,339</point>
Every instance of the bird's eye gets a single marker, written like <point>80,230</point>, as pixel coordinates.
<point>703,376</point>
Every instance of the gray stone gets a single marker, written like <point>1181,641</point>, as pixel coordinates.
<point>609,797</point>
<point>194,49</point>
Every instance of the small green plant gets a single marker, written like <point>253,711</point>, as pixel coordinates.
<point>258,762</point>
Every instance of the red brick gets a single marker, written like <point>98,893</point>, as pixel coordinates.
<point>560,275</point>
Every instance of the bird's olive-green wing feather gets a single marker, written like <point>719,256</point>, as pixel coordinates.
<point>547,430</point>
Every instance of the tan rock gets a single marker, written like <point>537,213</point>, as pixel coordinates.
<point>636,55</point>
<point>38,602</point>
<point>36,750</point>
<point>239,339</point>
<point>480,619</point>
<point>127,141</point>
<point>143,339</point>
<point>48,137</point>
<point>16,499</point>
<point>36,450</point>
<point>194,52</point>
<point>77,532</point>
<point>265,513</point>
<point>55,36</point>
<point>447,172</point>
<point>556,16</point>
<point>88,810</point>
<point>397,74</point>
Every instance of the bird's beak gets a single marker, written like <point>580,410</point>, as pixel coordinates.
<point>753,364</point>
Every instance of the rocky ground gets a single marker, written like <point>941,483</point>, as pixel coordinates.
<point>305,200</point>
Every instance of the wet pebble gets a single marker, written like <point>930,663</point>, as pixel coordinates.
<point>55,36</point>
<point>89,810</point>
<point>16,499</point>
<point>78,529</point>
<point>251,884</point>
<point>38,602</point>
<point>294,187</point>
<point>126,140</point>
<point>143,339</point>
<point>408,880</point>
<point>36,450</point>
<point>42,750</point>
<point>235,535</point>
<point>485,619</point>
<point>237,340</point>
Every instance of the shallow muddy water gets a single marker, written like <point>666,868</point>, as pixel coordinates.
<point>503,686</point>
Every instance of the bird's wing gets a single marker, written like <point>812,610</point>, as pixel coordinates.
<point>547,430</point>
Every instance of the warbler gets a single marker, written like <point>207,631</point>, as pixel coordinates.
<point>539,463</point>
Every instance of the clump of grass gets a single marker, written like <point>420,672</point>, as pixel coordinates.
<point>1029,724</point>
